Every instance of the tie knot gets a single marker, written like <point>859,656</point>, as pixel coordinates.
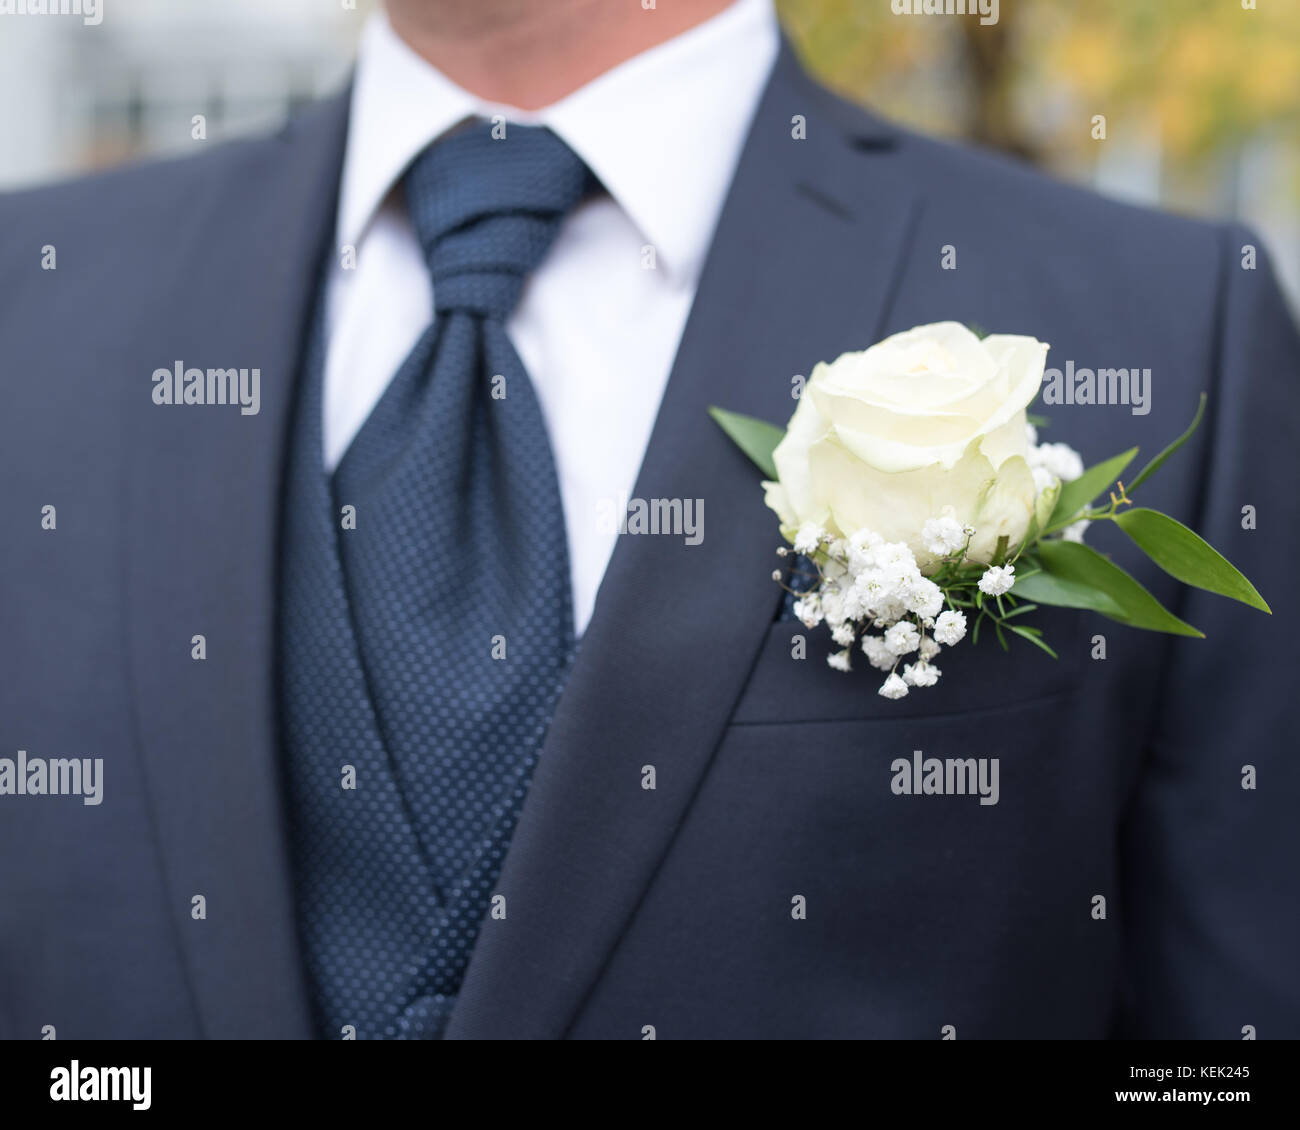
<point>486,205</point>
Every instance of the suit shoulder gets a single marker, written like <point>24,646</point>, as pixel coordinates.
<point>153,191</point>
<point>157,202</point>
<point>1008,195</point>
<point>989,196</point>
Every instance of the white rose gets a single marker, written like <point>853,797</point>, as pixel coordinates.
<point>926,423</point>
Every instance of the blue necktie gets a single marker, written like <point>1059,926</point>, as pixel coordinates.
<point>426,617</point>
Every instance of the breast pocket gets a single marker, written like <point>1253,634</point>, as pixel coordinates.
<point>900,865</point>
<point>791,681</point>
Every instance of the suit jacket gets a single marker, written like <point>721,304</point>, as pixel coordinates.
<point>674,908</point>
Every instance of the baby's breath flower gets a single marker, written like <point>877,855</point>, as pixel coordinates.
<point>862,547</point>
<point>950,628</point>
<point>1059,458</point>
<point>832,605</point>
<point>893,687</point>
<point>888,612</point>
<point>924,597</point>
<point>997,580</point>
<point>865,539</point>
<point>942,536</point>
<point>1075,530</point>
<point>808,538</point>
<point>839,660</point>
<point>921,674</point>
<point>902,638</point>
<point>899,576</point>
<point>808,610</point>
<point>896,554</point>
<point>870,587</point>
<point>878,653</point>
<point>843,634</point>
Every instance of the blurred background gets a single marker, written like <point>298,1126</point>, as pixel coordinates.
<point>1201,98</point>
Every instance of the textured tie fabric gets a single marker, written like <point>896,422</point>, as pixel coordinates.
<point>426,621</point>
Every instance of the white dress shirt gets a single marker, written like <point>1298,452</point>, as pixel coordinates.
<point>596,328</point>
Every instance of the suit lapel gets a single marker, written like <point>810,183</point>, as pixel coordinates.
<point>203,499</point>
<point>800,270</point>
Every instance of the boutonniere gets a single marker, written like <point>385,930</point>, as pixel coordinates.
<point>913,488</point>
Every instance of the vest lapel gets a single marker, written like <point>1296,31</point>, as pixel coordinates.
<point>800,270</point>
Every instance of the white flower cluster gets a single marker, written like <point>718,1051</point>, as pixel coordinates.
<point>872,594</point>
<point>1051,463</point>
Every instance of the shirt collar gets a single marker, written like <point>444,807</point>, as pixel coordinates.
<point>663,131</point>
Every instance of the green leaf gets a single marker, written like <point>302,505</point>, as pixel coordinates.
<point>1187,556</point>
<point>1083,565</point>
<point>1032,637</point>
<point>1061,593</point>
<point>1037,420</point>
<point>1077,494</point>
<point>1152,467</point>
<point>756,438</point>
<point>1019,610</point>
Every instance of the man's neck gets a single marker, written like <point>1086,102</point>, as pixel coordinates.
<point>528,54</point>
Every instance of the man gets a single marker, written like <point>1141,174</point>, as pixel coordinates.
<point>399,738</point>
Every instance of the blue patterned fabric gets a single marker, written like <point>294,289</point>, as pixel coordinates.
<point>800,577</point>
<point>426,647</point>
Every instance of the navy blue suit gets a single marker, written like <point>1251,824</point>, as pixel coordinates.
<point>672,907</point>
